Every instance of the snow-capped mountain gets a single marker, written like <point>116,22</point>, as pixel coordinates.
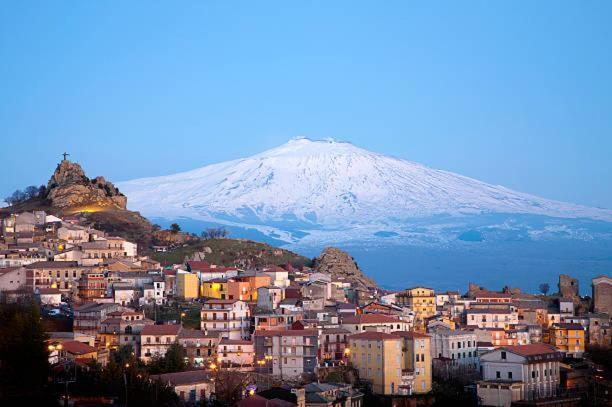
<point>329,184</point>
<point>386,211</point>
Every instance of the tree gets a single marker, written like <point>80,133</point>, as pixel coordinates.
<point>215,233</point>
<point>544,287</point>
<point>172,361</point>
<point>175,228</point>
<point>229,386</point>
<point>23,356</point>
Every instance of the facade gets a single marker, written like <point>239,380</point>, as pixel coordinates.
<point>378,358</point>
<point>200,349</point>
<point>155,340</point>
<point>491,318</point>
<point>63,275</point>
<point>421,300</point>
<point>194,386</point>
<point>269,297</point>
<point>568,338</point>
<point>92,285</point>
<point>89,316</point>
<point>416,361</point>
<point>289,353</point>
<point>459,346</point>
<point>513,373</point>
<point>373,322</point>
<point>122,328</point>
<point>230,318</point>
<point>333,344</point>
<point>187,286</point>
<point>235,352</point>
<point>602,295</point>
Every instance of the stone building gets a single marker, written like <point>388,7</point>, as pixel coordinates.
<point>568,286</point>
<point>602,294</point>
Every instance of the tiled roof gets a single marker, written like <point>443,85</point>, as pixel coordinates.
<point>161,330</point>
<point>369,319</point>
<point>183,378</point>
<point>289,332</point>
<point>535,351</point>
<point>52,264</point>
<point>77,348</point>
<point>375,336</point>
<point>569,326</point>
<point>411,334</point>
<point>226,341</point>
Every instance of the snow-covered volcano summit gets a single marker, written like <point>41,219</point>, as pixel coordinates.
<point>330,184</point>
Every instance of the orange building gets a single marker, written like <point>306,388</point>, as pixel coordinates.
<point>568,338</point>
<point>244,287</point>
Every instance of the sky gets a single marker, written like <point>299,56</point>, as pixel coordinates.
<point>512,93</point>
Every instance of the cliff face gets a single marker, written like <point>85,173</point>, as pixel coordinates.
<point>69,187</point>
<point>340,264</point>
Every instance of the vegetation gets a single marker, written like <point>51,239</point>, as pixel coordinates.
<point>30,192</point>
<point>23,356</point>
<point>215,233</point>
<point>172,361</point>
<point>175,228</point>
<point>544,287</point>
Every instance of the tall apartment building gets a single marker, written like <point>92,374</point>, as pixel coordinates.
<point>230,318</point>
<point>459,346</point>
<point>568,338</point>
<point>416,358</point>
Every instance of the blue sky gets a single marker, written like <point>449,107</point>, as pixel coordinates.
<point>513,93</point>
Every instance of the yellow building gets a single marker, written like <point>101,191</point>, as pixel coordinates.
<point>568,338</point>
<point>187,286</point>
<point>394,363</point>
<point>422,301</point>
<point>416,349</point>
<point>378,357</point>
<point>216,288</point>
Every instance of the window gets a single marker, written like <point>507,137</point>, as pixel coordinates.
<point>509,375</point>
<point>503,355</point>
<point>498,374</point>
<point>533,374</point>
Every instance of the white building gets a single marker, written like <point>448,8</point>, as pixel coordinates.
<point>457,345</point>
<point>236,352</point>
<point>491,318</point>
<point>513,373</point>
<point>156,339</point>
<point>231,318</point>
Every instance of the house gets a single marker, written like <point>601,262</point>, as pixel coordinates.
<point>49,296</point>
<point>214,288</point>
<point>199,347</point>
<point>276,321</point>
<point>514,373</point>
<point>333,344</point>
<point>279,276</point>
<point>492,297</point>
<point>269,297</point>
<point>230,318</point>
<point>155,340</point>
<point>92,285</point>
<point>63,275</point>
<point>491,318</point>
<point>12,278</point>
<point>286,354</point>
<point>89,316</point>
<point>122,328</point>
<point>194,386</point>
<point>421,300</point>
<point>459,346</point>
<point>332,395</point>
<point>187,285</point>
<point>75,350</point>
<point>416,358</point>
<point>378,358</point>
<point>568,338</point>
<point>235,352</point>
<point>373,322</point>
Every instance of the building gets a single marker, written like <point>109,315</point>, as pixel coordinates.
<point>568,338</point>
<point>333,395</point>
<point>602,295</point>
<point>269,297</point>
<point>235,352</point>
<point>333,345</point>
<point>421,300</point>
<point>89,316</point>
<point>63,275</point>
<point>378,358</point>
<point>92,285</point>
<point>491,318</point>
<point>187,285</point>
<point>416,360</point>
<point>459,346</point>
<point>230,318</point>
<point>193,386</point>
<point>49,296</point>
<point>286,354</point>
<point>200,348</point>
<point>122,328</point>
<point>214,288</point>
<point>513,373</point>
<point>13,278</point>
<point>373,322</point>
<point>155,340</point>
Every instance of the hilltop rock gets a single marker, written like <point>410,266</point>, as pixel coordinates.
<point>69,187</point>
<point>341,265</point>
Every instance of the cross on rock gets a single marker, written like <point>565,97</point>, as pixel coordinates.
<point>65,155</point>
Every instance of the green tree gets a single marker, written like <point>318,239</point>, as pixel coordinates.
<point>24,365</point>
<point>175,228</point>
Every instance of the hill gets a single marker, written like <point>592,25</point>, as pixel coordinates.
<point>233,252</point>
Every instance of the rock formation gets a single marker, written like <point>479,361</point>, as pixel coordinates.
<point>70,188</point>
<point>341,265</point>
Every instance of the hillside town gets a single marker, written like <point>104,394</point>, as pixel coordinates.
<point>292,334</point>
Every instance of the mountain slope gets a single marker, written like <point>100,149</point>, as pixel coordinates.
<point>330,184</point>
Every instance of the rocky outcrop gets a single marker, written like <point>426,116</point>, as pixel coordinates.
<point>341,265</point>
<point>69,187</point>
